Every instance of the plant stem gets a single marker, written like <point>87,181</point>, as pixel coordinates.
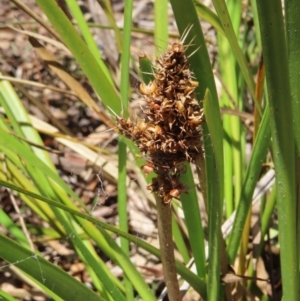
<point>164,224</point>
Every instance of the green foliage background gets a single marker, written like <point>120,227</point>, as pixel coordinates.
<point>229,180</point>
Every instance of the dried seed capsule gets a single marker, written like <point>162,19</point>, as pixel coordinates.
<point>157,131</point>
<point>148,89</point>
<point>190,87</point>
<point>141,125</point>
<point>161,76</point>
<point>136,133</point>
<point>153,105</point>
<point>194,83</point>
<point>152,148</point>
<point>156,107</point>
<point>194,121</point>
<point>175,193</point>
<point>180,107</point>
<point>177,48</point>
<point>148,168</point>
<point>167,199</point>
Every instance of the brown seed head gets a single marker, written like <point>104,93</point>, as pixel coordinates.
<point>170,132</point>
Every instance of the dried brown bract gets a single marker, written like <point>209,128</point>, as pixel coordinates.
<point>170,132</point>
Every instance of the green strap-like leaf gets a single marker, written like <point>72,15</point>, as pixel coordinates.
<point>258,156</point>
<point>273,37</point>
<point>82,54</point>
<point>45,273</point>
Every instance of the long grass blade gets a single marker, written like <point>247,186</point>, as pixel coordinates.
<point>56,281</point>
<point>278,85</point>
<point>224,16</point>
<point>161,25</point>
<point>215,206</point>
<point>122,175</point>
<point>292,27</point>
<point>82,54</point>
<point>251,176</point>
<point>75,10</point>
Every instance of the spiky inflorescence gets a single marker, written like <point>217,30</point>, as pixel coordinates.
<point>170,133</point>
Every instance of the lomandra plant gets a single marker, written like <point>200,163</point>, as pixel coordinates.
<point>170,135</point>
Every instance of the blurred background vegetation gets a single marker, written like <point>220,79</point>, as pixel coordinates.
<point>76,219</point>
